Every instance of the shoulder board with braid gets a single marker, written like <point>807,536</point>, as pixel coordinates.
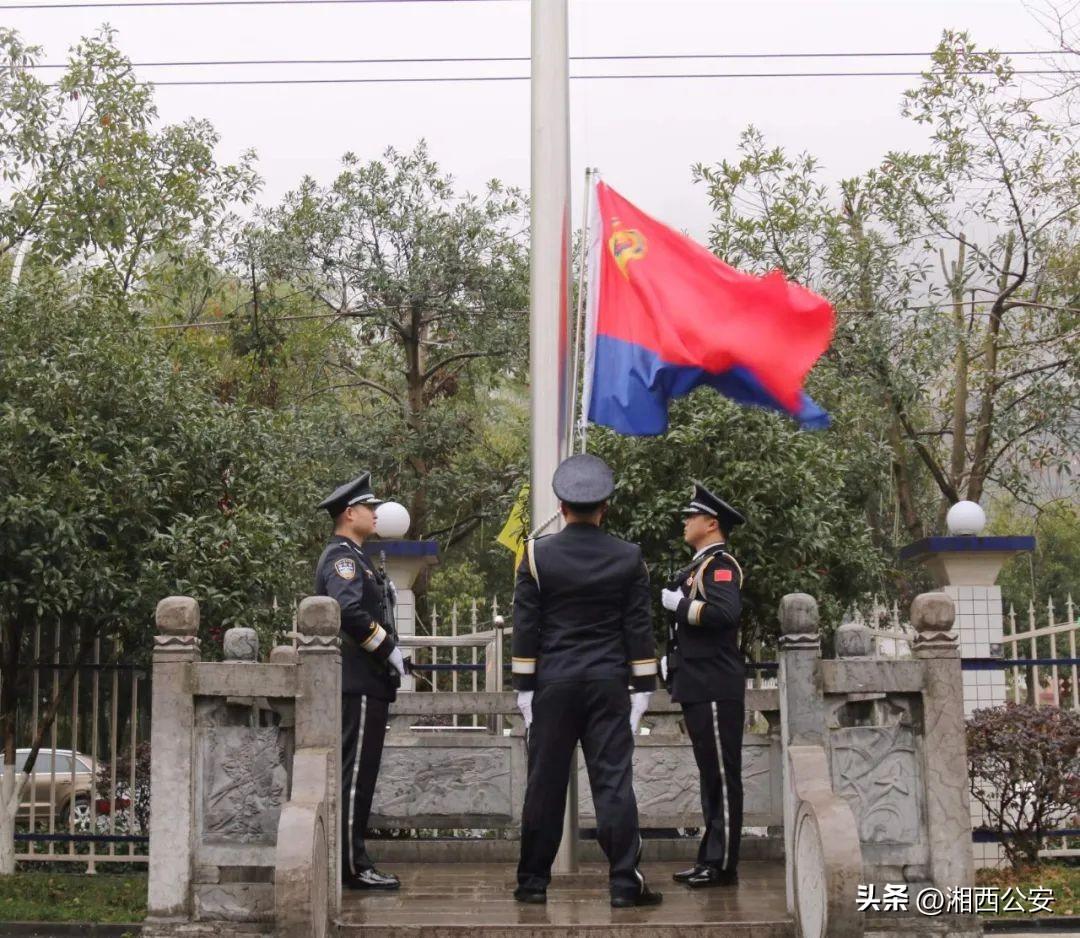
<point>698,590</point>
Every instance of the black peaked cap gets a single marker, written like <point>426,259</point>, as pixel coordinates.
<point>357,492</point>
<point>704,502</point>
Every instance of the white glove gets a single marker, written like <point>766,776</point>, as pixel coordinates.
<point>639,703</point>
<point>663,667</point>
<point>524,703</point>
<point>670,599</point>
<point>397,661</point>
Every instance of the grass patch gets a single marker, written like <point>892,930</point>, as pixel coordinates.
<point>72,897</point>
<point>1063,879</point>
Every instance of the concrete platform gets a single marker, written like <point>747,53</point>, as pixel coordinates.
<point>449,900</point>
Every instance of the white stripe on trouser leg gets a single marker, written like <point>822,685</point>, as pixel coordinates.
<point>637,860</point>
<point>723,786</point>
<point>355,775</point>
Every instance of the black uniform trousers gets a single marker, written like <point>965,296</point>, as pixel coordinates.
<point>716,731</point>
<point>596,713</point>
<point>363,729</point>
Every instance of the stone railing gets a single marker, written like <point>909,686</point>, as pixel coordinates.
<point>243,829</point>
<point>876,783</point>
<point>861,760</point>
<point>452,778</point>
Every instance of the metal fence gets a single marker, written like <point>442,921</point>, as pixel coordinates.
<point>1045,670</point>
<point>87,800</point>
<point>891,637</point>
<point>87,797</point>
<point>456,654</point>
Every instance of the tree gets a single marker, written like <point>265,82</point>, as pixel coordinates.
<point>803,494</point>
<point>123,479</point>
<point>943,268</point>
<point>1052,570</point>
<point>433,286</point>
<point>89,181</point>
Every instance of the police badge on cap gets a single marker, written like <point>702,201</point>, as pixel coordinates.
<point>357,492</point>
<point>703,502</point>
<point>583,480</point>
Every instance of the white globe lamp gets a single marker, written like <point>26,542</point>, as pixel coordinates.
<point>966,518</point>
<point>392,520</point>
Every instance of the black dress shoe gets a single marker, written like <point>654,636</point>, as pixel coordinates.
<point>683,875</point>
<point>530,896</point>
<point>710,876</point>
<point>644,898</point>
<point>371,879</point>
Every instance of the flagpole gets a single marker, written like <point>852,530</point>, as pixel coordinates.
<point>551,406</point>
<point>576,432</point>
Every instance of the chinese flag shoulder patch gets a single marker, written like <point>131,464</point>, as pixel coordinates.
<point>722,576</point>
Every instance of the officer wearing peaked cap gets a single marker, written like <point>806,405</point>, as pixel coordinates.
<point>371,668</point>
<point>582,639</point>
<point>707,677</point>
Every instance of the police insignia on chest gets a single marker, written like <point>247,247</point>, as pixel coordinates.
<point>345,568</point>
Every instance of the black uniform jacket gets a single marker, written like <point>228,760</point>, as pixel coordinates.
<point>704,660</point>
<point>585,614</point>
<point>367,630</point>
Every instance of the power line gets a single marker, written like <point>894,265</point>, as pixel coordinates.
<point>449,79</point>
<point>442,60</point>
<point>217,3</point>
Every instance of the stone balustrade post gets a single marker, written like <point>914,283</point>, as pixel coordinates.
<point>318,710</point>
<point>944,741</point>
<point>172,741</point>
<point>802,721</point>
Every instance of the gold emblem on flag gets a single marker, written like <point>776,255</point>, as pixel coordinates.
<point>626,244</point>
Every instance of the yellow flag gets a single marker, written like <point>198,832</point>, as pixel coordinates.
<point>514,532</point>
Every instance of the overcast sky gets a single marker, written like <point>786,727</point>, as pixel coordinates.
<point>644,135</point>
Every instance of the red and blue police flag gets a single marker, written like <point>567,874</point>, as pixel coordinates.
<point>665,315</point>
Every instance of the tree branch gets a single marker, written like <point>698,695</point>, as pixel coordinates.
<point>360,383</point>
<point>460,356</point>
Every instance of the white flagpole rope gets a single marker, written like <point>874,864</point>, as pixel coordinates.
<point>573,430</point>
<point>591,268</point>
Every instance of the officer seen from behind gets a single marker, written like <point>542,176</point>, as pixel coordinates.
<point>582,638</point>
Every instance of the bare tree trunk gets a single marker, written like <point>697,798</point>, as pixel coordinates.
<point>980,457</point>
<point>10,784</point>
<point>905,499</point>
<point>9,688</point>
<point>11,789</point>
<point>416,403</point>
<point>961,364</point>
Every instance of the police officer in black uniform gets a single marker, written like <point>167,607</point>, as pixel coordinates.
<point>371,668</point>
<point>582,639</point>
<point>705,674</point>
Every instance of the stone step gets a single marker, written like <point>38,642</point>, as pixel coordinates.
<point>475,899</point>
<point>460,850</point>
<point>650,929</point>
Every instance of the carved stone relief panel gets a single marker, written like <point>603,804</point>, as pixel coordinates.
<point>875,767</point>
<point>244,784</point>
<point>666,783</point>
<point>416,781</point>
